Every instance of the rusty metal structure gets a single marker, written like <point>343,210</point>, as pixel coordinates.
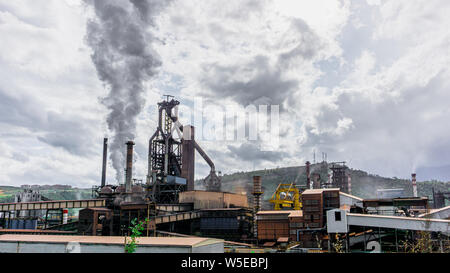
<point>129,167</point>
<point>171,160</point>
<point>95,221</point>
<point>164,157</point>
<point>257,192</point>
<point>308,174</point>
<point>188,156</point>
<point>339,178</point>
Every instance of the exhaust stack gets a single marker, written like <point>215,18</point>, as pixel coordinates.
<point>257,192</point>
<point>105,152</point>
<point>414,184</point>
<point>308,175</point>
<point>129,169</point>
<point>188,156</point>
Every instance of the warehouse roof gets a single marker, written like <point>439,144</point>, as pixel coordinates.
<point>316,191</point>
<point>114,240</point>
<point>274,212</point>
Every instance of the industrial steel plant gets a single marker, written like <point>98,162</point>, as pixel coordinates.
<point>173,126</point>
<point>308,216</point>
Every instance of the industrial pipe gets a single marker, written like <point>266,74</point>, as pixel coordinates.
<point>205,156</point>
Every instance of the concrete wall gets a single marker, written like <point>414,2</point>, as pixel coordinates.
<point>335,226</point>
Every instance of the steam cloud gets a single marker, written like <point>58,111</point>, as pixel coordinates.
<point>122,54</point>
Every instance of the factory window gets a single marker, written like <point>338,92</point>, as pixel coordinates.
<point>337,216</point>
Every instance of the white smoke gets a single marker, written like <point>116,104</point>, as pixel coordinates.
<point>120,38</point>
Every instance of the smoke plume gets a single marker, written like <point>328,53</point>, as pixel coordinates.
<point>121,42</point>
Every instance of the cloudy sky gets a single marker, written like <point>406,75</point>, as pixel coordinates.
<point>366,82</point>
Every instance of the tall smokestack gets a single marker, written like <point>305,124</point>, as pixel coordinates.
<point>257,192</point>
<point>414,184</point>
<point>105,153</point>
<point>129,169</point>
<point>308,175</point>
<point>188,156</point>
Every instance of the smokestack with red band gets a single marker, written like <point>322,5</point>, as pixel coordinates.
<point>65,213</point>
<point>105,152</point>
<point>308,175</point>
<point>414,184</point>
<point>129,169</point>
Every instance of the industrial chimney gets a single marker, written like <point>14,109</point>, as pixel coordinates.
<point>308,175</point>
<point>105,153</point>
<point>129,166</point>
<point>257,192</point>
<point>188,156</point>
<point>414,184</point>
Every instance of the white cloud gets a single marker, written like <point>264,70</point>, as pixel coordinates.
<point>364,82</point>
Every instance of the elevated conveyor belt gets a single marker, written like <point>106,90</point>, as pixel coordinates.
<point>55,204</point>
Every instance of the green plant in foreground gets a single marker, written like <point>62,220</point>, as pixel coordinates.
<point>136,231</point>
<point>338,245</point>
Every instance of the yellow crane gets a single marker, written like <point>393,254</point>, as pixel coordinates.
<point>286,196</point>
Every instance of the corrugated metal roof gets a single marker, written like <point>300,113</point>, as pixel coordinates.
<point>155,241</point>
